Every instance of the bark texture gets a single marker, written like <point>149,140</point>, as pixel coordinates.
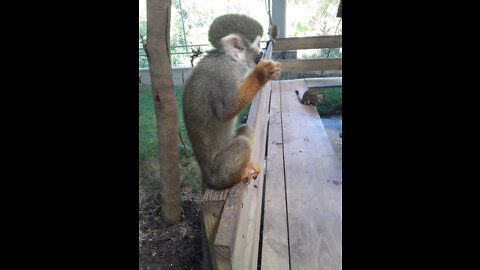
<point>158,39</point>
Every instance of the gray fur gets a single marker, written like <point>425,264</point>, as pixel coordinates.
<point>210,95</point>
<point>234,23</point>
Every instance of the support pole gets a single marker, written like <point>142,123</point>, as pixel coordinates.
<point>279,15</point>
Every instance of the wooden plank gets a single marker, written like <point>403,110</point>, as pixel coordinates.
<point>236,243</point>
<point>258,154</point>
<point>275,235</point>
<point>206,259</point>
<point>314,185</point>
<point>212,208</point>
<point>324,82</point>
<point>224,241</point>
<point>311,64</point>
<point>302,43</point>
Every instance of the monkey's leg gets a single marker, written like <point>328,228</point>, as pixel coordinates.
<point>256,80</point>
<point>252,170</point>
<point>244,130</point>
<point>233,165</point>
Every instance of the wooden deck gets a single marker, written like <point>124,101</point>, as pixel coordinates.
<point>302,215</point>
<point>299,191</point>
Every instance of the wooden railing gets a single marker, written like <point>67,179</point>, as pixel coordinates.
<point>320,42</point>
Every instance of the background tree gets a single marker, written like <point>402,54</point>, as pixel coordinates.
<point>142,33</point>
<point>158,53</point>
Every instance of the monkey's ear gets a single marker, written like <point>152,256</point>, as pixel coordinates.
<point>231,43</point>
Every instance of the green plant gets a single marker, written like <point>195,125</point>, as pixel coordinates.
<point>332,102</point>
<point>148,144</point>
<point>243,116</point>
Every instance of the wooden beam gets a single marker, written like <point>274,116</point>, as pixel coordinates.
<point>313,183</point>
<point>324,82</point>
<point>339,12</point>
<point>212,208</point>
<point>275,254</point>
<point>303,43</point>
<point>279,11</point>
<point>311,64</point>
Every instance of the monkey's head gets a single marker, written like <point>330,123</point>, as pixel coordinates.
<point>239,36</point>
<point>320,96</point>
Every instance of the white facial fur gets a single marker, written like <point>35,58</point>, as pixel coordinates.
<point>256,44</point>
<point>232,44</point>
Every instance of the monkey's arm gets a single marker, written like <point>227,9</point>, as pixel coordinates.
<point>256,80</point>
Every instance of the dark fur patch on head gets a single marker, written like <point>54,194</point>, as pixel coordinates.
<point>234,23</point>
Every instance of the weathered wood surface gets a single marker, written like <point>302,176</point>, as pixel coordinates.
<point>212,208</point>
<point>275,235</point>
<point>324,82</point>
<point>311,64</point>
<point>313,185</point>
<point>302,43</point>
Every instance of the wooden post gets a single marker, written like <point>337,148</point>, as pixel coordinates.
<point>212,208</point>
<point>278,16</point>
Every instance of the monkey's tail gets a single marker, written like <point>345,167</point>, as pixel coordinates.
<point>298,96</point>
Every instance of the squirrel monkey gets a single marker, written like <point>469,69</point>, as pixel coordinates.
<point>310,97</point>
<point>219,87</point>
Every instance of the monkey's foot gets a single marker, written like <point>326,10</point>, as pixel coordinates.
<point>267,70</point>
<point>252,172</point>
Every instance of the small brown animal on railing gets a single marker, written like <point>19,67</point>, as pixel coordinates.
<point>310,97</point>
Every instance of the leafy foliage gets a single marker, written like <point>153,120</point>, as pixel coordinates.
<point>332,103</point>
<point>304,18</point>
<point>142,32</point>
<point>318,18</point>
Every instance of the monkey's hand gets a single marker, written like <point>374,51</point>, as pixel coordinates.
<point>251,172</point>
<point>266,70</point>
<point>263,72</point>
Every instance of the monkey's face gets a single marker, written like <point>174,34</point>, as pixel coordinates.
<point>240,49</point>
<point>256,50</point>
<point>320,96</point>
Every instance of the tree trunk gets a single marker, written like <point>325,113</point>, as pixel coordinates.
<point>158,44</point>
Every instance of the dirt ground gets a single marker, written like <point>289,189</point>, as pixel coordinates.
<point>163,246</point>
<point>179,246</point>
